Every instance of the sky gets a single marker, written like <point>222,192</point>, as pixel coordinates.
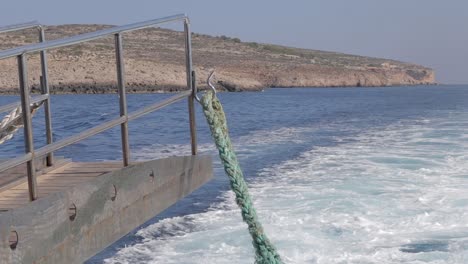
<point>432,33</point>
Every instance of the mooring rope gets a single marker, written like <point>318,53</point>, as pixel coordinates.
<point>265,252</point>
<point>14,121</point>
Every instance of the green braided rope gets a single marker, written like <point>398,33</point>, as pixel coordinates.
<point>265,252</point>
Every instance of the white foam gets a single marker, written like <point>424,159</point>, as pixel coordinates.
<point>245,145</point>
<point>358,202</point>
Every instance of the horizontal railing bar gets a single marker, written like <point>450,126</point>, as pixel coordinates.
<point>87,36</point>
<point>14,105</point>
<point>156,106</point>
<point>19,26</point>
<point>109,124</point>
<point>11,163</point>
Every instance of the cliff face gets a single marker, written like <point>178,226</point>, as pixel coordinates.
<point>155,61</point>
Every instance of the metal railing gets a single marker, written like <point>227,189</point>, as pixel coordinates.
<point>124,118</point>
<point>43,79</point>
<point>21,26</point>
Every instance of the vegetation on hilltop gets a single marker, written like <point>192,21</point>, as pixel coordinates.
<point>155,61</point>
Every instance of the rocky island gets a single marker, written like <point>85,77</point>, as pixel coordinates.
<point>155,62</point>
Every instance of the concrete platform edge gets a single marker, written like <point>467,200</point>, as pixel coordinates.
<point>47,234</point>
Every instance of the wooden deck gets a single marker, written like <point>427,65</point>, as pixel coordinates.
<point>65,174</point>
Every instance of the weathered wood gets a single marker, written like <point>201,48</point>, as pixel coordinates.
<point>17,175</point>
<point>46,233</point>
<point>65,175</point>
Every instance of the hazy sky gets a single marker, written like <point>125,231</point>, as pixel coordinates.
<point>429,32</point>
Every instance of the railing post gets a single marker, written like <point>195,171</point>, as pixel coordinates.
<point>190,85</point>
<point>45,90</point>
<point>122,97</point>
<point>28,137</point>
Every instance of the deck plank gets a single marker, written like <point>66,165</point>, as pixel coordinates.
<point>17,175</point>
<point>55,180</point>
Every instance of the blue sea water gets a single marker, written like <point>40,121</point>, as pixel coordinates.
<point>338,175</point>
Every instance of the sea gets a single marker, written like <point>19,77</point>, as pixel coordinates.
<point>338,175</point>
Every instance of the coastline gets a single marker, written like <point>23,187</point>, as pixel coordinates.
<point>169,90</point>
